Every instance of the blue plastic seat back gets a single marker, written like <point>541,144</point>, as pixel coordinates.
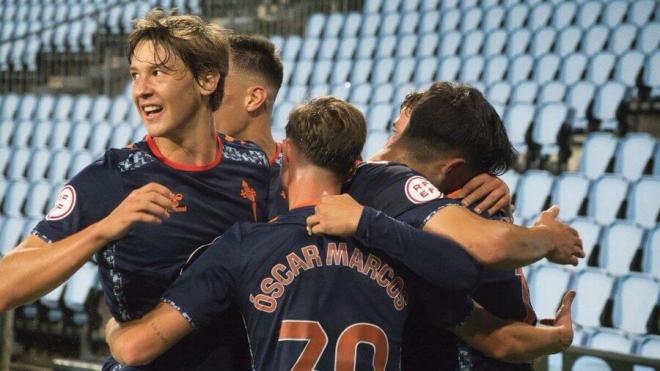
<point>606,195</point>
<point>643,201</point>
<point>569,193</point>
<point>635,297</point>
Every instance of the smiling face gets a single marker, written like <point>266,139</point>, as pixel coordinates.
<point>164,91</point>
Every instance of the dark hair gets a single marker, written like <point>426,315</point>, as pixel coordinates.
<point>256,54</point>
<point>202,46</point>
<point>456,118</point>
<point>410,100</point>
<point>329,132</point>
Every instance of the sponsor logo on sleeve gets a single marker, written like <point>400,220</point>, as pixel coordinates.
<point>420,190</point>
<point>64,204</point>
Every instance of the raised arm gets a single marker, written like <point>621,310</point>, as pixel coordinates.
<point>141,341</point>
<point>516,341</point>
<point>36,267</point>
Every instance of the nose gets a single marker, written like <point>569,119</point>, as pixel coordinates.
<point>142,87</point>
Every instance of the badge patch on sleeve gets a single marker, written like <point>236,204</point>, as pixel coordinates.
<point>64,204</point>
<point>419,190</point>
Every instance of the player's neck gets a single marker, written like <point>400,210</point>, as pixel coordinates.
<point>258,131</point>
<point>194,145</point>
<point>309,184</point>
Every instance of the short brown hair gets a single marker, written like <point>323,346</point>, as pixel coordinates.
<point>255,54</point>
<point>410,100</point>
<point>329,132</point>
<point>202,46</point>
<point>457,119</point>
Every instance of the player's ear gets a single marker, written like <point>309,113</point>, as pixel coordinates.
<point>452,165</point>
<point>209,83</point>
<point>256,98</point>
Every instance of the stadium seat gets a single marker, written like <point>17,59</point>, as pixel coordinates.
<point>26,109</point>
<point>651,252</point>
<point>471,20</point>
<point>652,73</point>
<point>600,67</point>
<point>386,46</point>
<point>525,92</point>
<point>370,24</point>
<point>58,167</point>
<point>595,287</point>
<point>550,119</point>
<point>614,13</point>
<point>430,21</point>
<point>406,46</point>
<point>648,38</point>
<point>382,71</point>
<point>361,71</point>
<point>533,190</point>
<point>499,92</point>
<point>518,42</point>
<point>46,106</point>
<point>81,108</point>
<point>278,42</point>
<point>410,6</point>
<point>450,21</point>
<point>360,93</point>
<point>495,43</point>
<point>139,133</point>
<point>472,68</point>
<point>425,70</point>
<point>403,72</point>
<point>10,105</point>
<point>15,196</point>
<point>340,72</point>
<point>315,25</point>
<point>640,11</point>
<point>607,100</point>
<point>609,340</point>
<point>629,67</point>
<point>544,39</point>
<point>77,290</point>
<point>80,134</point>
<point>430,5</point>
<point>495,70</point>
<point>540,16</point>
<point>18,163</point>
<point>594,39</point>
<point>573,68</point>
<point>472,43</point>
<point>281,114</point>
<point>547,284</point>
<point>622,38</point>
<point>119,109</point>
<point>38,164</point>
<point>319,90</point>
<point>375,142</point>
<point>382,93</point>
<point>589,13</point>
<point>341,91</point>
<point>493,18</point>
<point>328,48</point>
<point>365,48</point>
<point>401,91</point>
<point>552,92</point>
<point>517,121</point>
<point>520,68</point>
<point>427,45</point>
<point>302,73</point>
<point>516,16</point>
<point>79,161</point>
<point>379,117</point>
<point>634,154</point>
<point>568,40</point>
<point>291,48</point>
<point>450,43</point>
<point>448,69</point>
<point>22,132</point>
<point>121,136</point>
<point>569,193</point>
<point>511,178</point>
<point>372,6</point>
<point>409,23</point>
<point>618,246</point>
<point>589,232</point>
<point>6,129</point>
<point>580,97</point>
<point>635,297</point>
<point>643,201</point>
<point>100,108</point>
<point>649,346</point>
<point>309,48</point>
<point>389,24</point>
<point>391,6</point>
<point>10,232</point>
<point>40,194</point>
<point>606,195</point>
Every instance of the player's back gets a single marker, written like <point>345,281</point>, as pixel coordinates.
<point>319,302</point>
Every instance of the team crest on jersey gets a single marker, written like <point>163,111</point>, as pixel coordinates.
<point>420,190</point>
<point>64,204</point>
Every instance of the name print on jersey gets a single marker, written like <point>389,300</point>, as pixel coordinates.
<point>282,275</point>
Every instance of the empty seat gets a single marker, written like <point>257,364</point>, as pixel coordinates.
<point>119,109</point>
<point>450,43</point>
<point>472,68</point>
<point>328,48</point>
<point>26,110</point>
<point>121,136</point>
<point>649,346</point>
<point>618,246</point>
<point>341,91</point>
<point>634,299</point>
<point>493,18</point>
<point>18,163</point>
<point>379,117</point>
<point>315,25</point>
<point>375,142</point>
<point>319,90</point>
<point>58,168</point>
<point>499,92</point>
<point>595,287</point>
<point>341,71</point>
<point>450,20</point>
<point>321,72</point>
<point>15,196</point>
<point>281,114</point>
<point>511,178</point>
<point>22,133</point>
<point>405,67</point>
<point>427,45</point>
<point>622,38</point>
<point>40,194</point>
<point>607,100</point>
<point>386,46</point>
<point>495,70</point>
<point>569,193</point>
<point>640,11</point>
<point>370,24</point>
<point>406,46</point>
<point>38,164</point>
<point>389,24</point>
<point>579,99</point>
<point>614,13</point>
<point>520,68</point>
<point>63,107</point>
<point>448,69</point>
<point>589,232</point>
<point>425,71</point>
<point>401,92</point>
<point>382,93</point>
<point>79,136</point>
<point>430,21</point>
<point>568,40</point>
<point>649,37</point>
<point>471,19</point>
<point>100,137</point>
<point>589,13</point>
<point>573,68</point>
<point>533,191</point>
<point>99,109</point>
<point>518,42</point>
<point>643,201</point>
<point>601,67</point>
<point>552,91</point>
<point>609,340</point>
<point>594,39</point>
<point>634,154</point>
<point>629,67</point>
<point>372,6</point>
<point>525,92</point>
<point>302,73</point>
<point>516,16</point>
<point>652,73</point>
<point>79,161</point>
<point>606,195</point>
<point>547,284</point>
<point>78,288</point>
<point>10,233</point>
<point>361,71</point>
<point>309,48</point>
<point>347,48</point>
<point>597,152</point>
<point>517,120</point>
<point>543,41</point>
<point>651,252</point>
<point>10,105</point>
<point>366,48</point>
<point>291,48</point>
<point>495,43</point>
<point>472,43</point>
<point>408,24</point>
<point>361,93</point>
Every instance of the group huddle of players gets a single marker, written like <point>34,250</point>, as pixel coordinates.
<point>233,252</point>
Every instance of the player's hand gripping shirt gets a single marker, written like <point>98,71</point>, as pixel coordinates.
<point>309,302</point>
<point>137,269</point>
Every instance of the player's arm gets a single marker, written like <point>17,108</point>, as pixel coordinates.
<point>35,267</point>
<point>436,259</point>
<point>512,341</point>
<point>503,245</point>
<point>141,341</point>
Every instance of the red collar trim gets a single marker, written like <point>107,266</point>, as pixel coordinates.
<point>185,167</point>
<point>305,203</point>
<point>278,150</point>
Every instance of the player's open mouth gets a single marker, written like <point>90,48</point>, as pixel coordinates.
<point>152,110</point>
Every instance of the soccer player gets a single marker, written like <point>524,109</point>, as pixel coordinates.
<point>299,293</point>
<point>449,127</point>
<point>142,210</point>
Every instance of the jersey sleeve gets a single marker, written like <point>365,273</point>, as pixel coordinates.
<point>206,288</point>
<point>88,197</point>
<point>440,261</point>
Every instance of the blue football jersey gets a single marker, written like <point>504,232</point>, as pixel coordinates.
<point>309,302</point>
<point>277,202</point>
<point>136,269</point>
